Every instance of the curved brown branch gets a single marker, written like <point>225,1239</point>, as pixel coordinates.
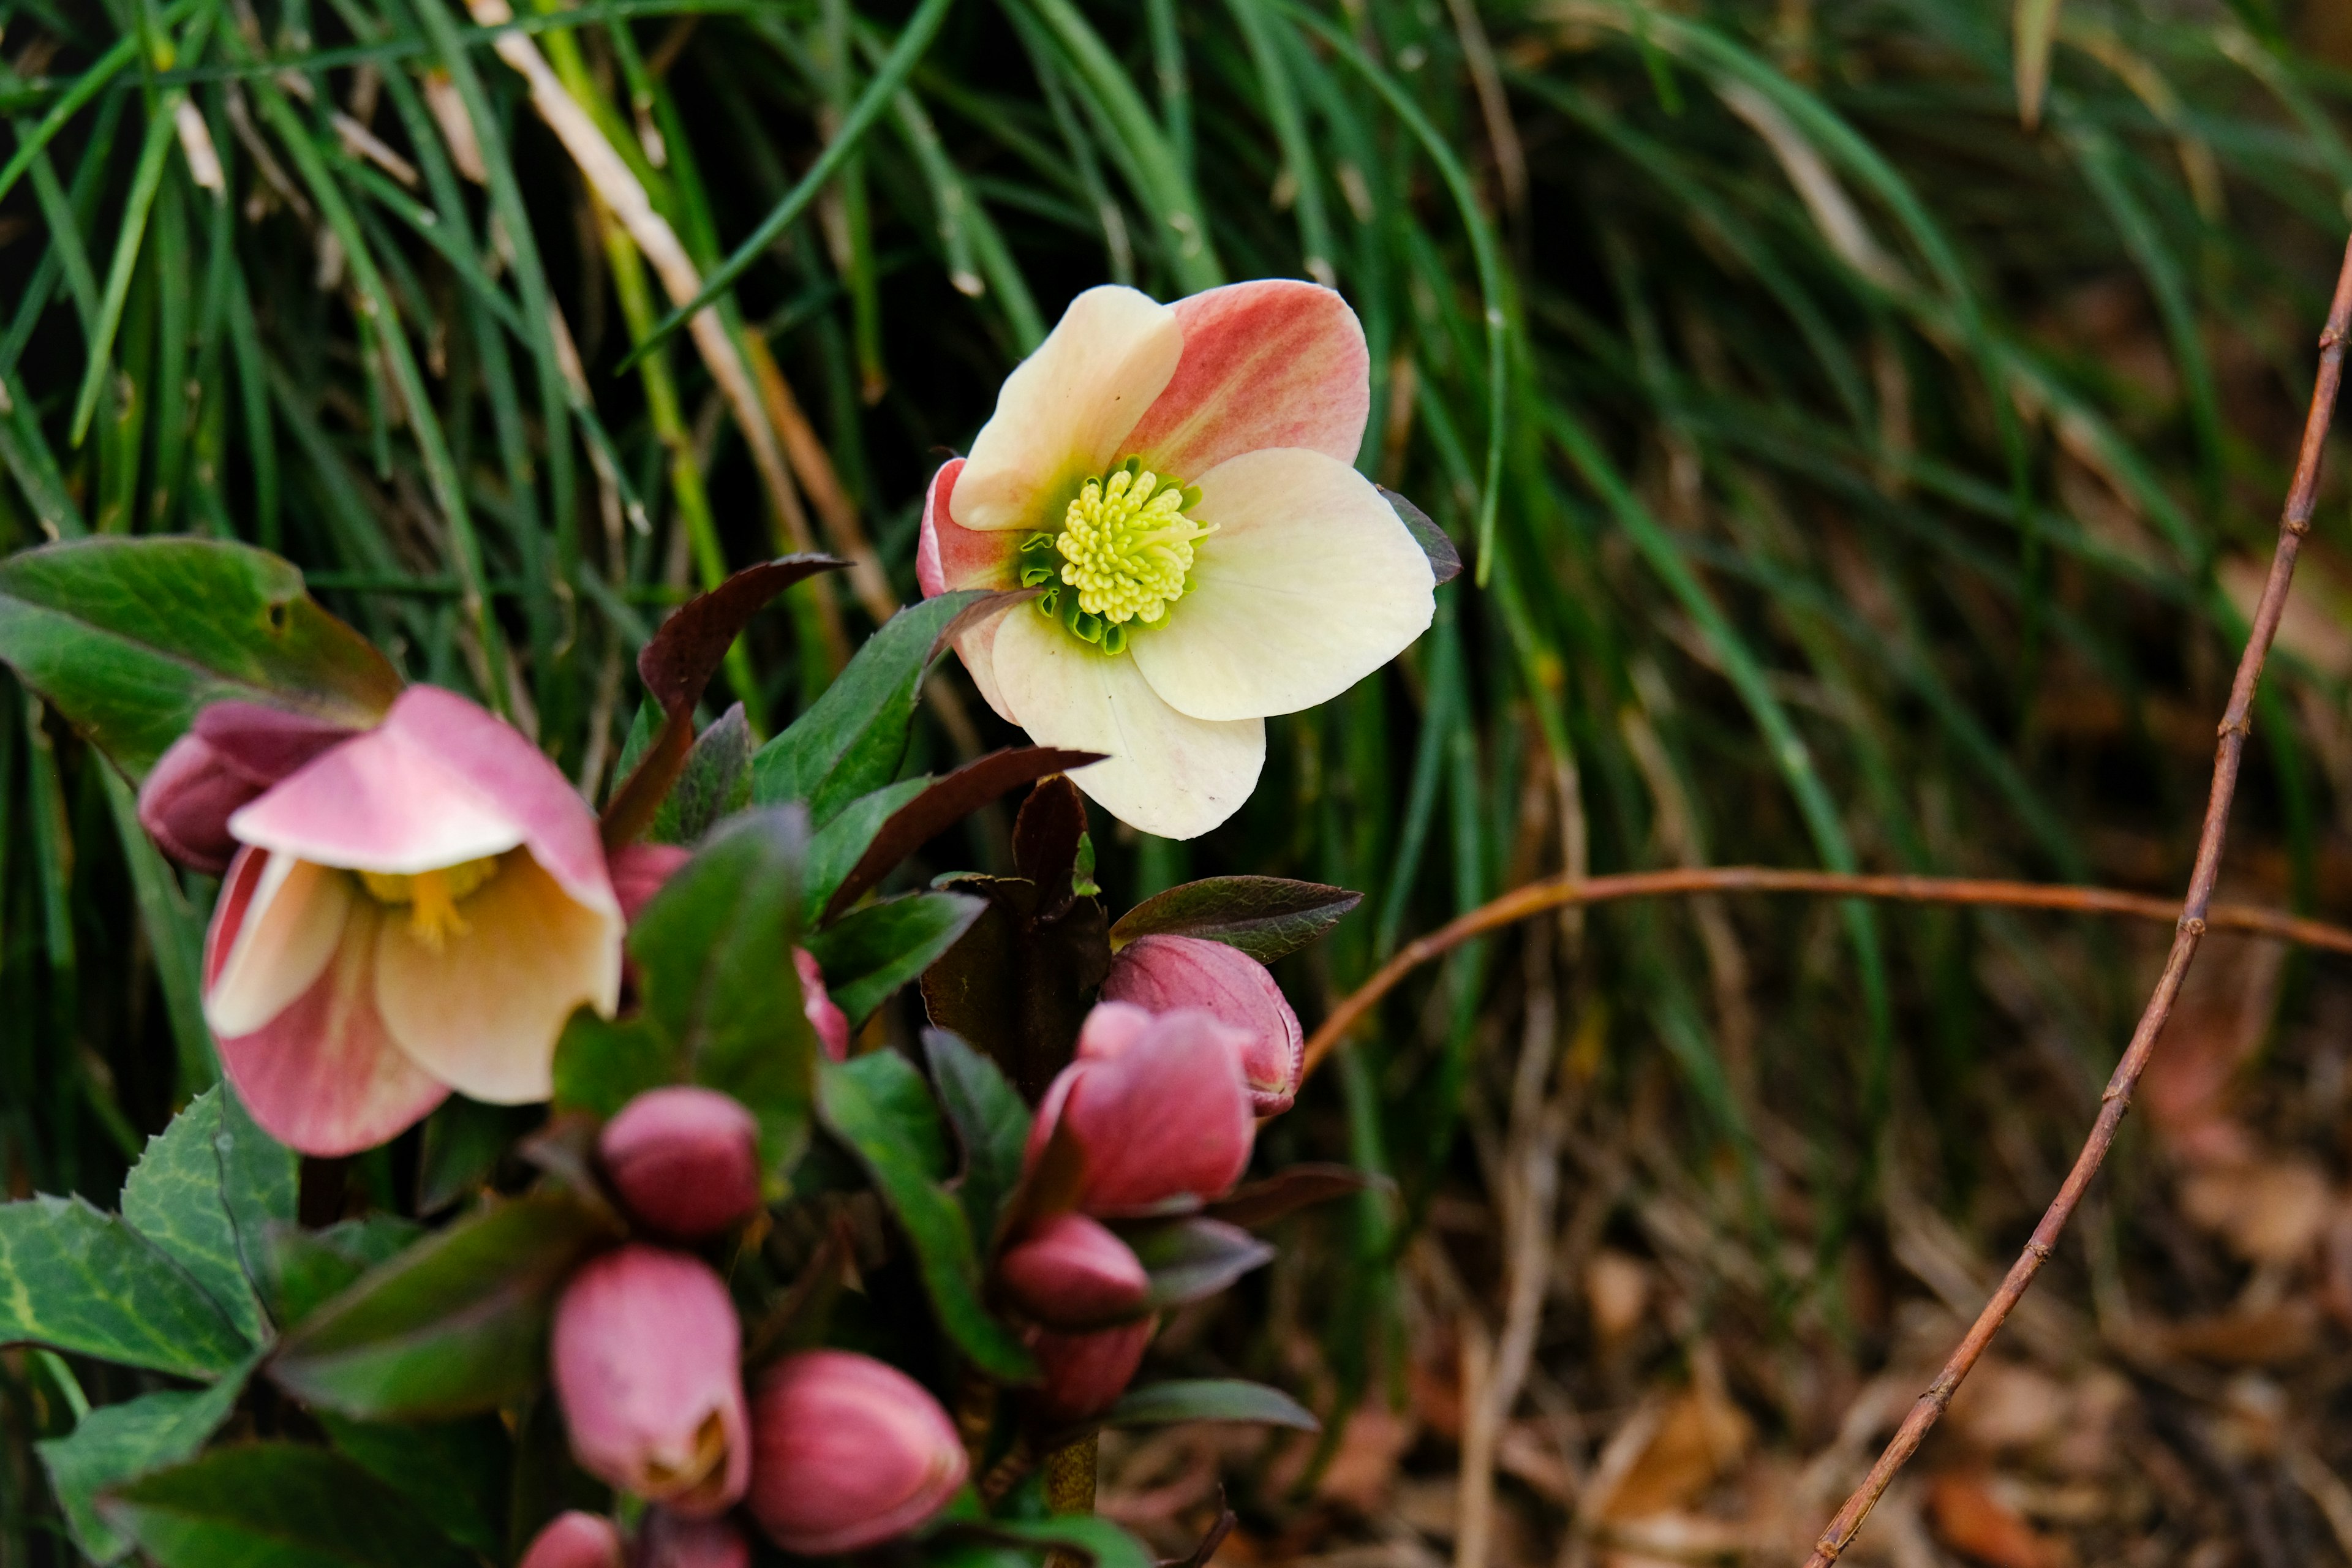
<point>1562,892</point>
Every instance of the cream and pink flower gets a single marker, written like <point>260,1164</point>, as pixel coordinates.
<point>418,908</point>
<point>1177,479</point>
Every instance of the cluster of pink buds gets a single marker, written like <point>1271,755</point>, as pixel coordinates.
<point>827,1451</point>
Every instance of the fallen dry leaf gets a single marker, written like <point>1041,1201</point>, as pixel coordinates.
<point>1363,1467</point>
<point>1701,1436</point>
<point>1617,1293</point>
<point>1972,1519</point>
<point>2270,1211</point>
<point>2006,1405</point>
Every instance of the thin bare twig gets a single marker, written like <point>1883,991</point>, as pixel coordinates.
<point>1562,892</point>
<point>2196,916</point>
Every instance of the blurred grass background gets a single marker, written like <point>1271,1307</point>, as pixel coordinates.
<point>1866,422</point>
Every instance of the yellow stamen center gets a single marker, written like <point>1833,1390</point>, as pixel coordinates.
<point>1126,545</point>
<point>431,896</point>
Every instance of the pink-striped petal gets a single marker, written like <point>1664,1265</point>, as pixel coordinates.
<point>1066,411</point>
<point>1274,363</point>
<point>1164,772</point>
<point>1309,583</point>
<point>483,1010</point>
<point>323,1075</point>
<point>949,555</point>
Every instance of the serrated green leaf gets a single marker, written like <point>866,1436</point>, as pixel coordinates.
<point>934,1225</point>
<point>115,1443</point>
<point>456,1324</point>
<point>602,1064</point>
<point>991,1123</point>
<point>260,1182</point>
<point>1193,1257</point>
<point>868,953</point>
<point>1104,1544</point>
<point>76,1279</point>
<point>849,742</point>
<point>306,1269</point>
<point>836,848</point>
<point>715,781</point>
<point>173,1198</point>
<point>128,638</point>
<point>1210,1399</point>
<point>275,1505</point>
<point>455,1473</point>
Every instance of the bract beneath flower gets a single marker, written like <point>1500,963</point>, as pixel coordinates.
<point>1175,483</point>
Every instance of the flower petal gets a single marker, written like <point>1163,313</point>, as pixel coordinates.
<point>1066,411</point>
<point>280,920</point>
<point>976,647</point>
<point>483,1012</point>
<point>323,1075</point>
<point>1164,771</point>
<point>1310,583</point>
<point>1272,362</point>
<point>949,555</point>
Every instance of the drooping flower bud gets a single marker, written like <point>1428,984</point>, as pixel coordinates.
<point>1085,1373</point>
<point>1071,1272</point>
<point>231,754</point>
<point>685,1160</point>
<point>667,1541</point>
<point>648,1368</point>
<point>826,1017</point>
<point>1156,1107</point>
<point>575,1539</point>
<point>847,1452</point>
<point>1160,974</point>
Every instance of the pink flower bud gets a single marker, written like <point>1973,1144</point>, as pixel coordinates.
<point>669,1542</point>
<point>575,1539</point>
<point>830,1024</point>
<point>1162,973</point>
<point>1071,1272</point>
<point>647,1365</point>
<point>1085,1373</point>
<point>1156,1107</point>
<point>685,1160</point>
<point>847,1452</point>
<point>232,752</point>
<point>640,869</point>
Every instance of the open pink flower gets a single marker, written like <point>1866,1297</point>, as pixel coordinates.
<point>417,909</point>
<point>1177,479</point>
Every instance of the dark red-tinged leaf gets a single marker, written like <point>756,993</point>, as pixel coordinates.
<point>1210,1399</point>
<point>945,803</point>
<point>1017,986</point>
<point>1445,560</point>
<point>454,1324</point>
<point>1286,1191</point>
<point>677,664</point>
<point>1045,839</point>
<point>1265,917</point>
<point>1189,1259</point>
<point>870,953</point>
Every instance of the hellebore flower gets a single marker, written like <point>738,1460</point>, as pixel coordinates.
<point>415,910</point>
<point>1071,1272</point>
<point>1160,974</point>
<point>638,872</point>
<point>1177,479</point>
<point>1085,1373</point>
<point>648,1368</point>
<point>847,1452</point>
<point>685,1160</point>
<point>575,1539</point>
<point>1156,1107</point>
<point>230,754</point>
<point>668,1540</point>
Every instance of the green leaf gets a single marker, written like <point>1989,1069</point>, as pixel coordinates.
<point>454,1324</point>
<point>173,1198</point>
<point>941,804</point>
<point>836,848</point>
<point>116,1443</point>
<point>991,1123</point>
<point>76,1279</point>
<point>306,1269</point>
<point>1210,1399</point>
<point>128,638</point>
<point>454,1473</point>
<point>1098,1539</point>
<point>715,781</point>
<point>713,950</point>
<point>260,1182</point>
<point>935,1226</point>
<point>602,1064</point>
<point>894,1088</point>
<point>850,739</point>
<point>275,1505</point>
<point>464,1141</point>
<point>1265,917</point>
<point>1193,1258</point>
<point>870,953</point>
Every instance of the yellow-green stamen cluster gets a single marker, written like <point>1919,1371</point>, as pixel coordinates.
<point>1123,555</point>
<point>431,896</point>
